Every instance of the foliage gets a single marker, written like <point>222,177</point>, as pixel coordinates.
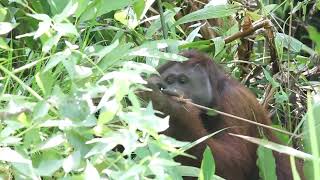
<point>70,71</point>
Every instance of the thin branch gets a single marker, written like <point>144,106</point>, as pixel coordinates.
<point>236,117</point>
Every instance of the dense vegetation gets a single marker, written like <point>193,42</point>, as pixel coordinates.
<point>70,70</point>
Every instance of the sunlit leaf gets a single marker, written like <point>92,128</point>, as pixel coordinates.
<point>9,155</point>
<point>91,172</point>
<point>6,27</point>
<point>53,141</point>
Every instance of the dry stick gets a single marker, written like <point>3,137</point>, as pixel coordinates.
<point>236,117</point>
<point>247,32</point>
<point>267,25</point>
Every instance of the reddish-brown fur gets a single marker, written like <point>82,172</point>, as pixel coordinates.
<point>235,158</point>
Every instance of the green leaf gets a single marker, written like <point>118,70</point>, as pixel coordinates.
<point>4,45</point>
<point>311,138</point>
<point>91,172</point>
<point>52,41</point>
<point>146,120</point>
<point>274,83</point>
<point>289,42</point>
<point>101,53</point>
<point>72,162</point>
<point>40,17</point>
<point>98,8</point>
<point>55,60</point>
<point>6,27</point>
<point>43,28</point>
<point>138,8</point>
<point>68,10</point>
<point>127,17</point>
<point>128,139</point>
<point>65,29</point>
<point>9,155</point>
<point>194,33</point>
<point>188,171</point>
<point>209,12</point>
<point>114,56</point>
<point>111,108</point>
<point>268,8</point>
<point>157,54</point>
<point>82,6</point>
<point>45,81</point>
<point>207,169</point>
<point>48,167</point>
<point>53,141</point>
<point>3,14</point>
<point>218,45</point>
<point>40,110</point>
<point>315,37</point>
<point>266,163</point>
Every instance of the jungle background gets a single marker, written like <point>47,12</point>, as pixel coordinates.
<point>70,70</point>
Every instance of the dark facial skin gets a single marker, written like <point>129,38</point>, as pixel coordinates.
<point>181,80</point>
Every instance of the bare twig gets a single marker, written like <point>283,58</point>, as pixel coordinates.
<point>236,117</point>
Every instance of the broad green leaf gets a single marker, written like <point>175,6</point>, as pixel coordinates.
<point>127,17</point>
<point>156,23</point>
<point>9,155</point>
<point>48,167</point>
<point>72,162</point>
<point>218,45</point>
<point>40,17</point>
<point>289,42</point>
<point>98,8</point>
<point>26,171</point>
<point>3,14</point>
<point>4,45</point>
<point>40,110</point>
<point>269,8</point>
<point>91,172</point>
<point>266,163</point>
<point>311,138</point>
<point>68,10</point>
<point>274,83</point>
<point>194,33</point>
<point>188,171</point>
<point>128,139</point>
<point>43,28</point>
<point>6,27</point>
<point>207,169</point>
<point>45,81</point>
<point>148,52</point>
<point>82,6</point>
<point>111,108</point>
<point>51,42</point>
<point>57,6</point>
<point>315,37</point>
<point>114,56</point>
<point>209,12</point>
<point>146,120</point>
<point>56,59</point>
<point>53,141</point>
<point>105,50</point>
<point>65,29</point>
<point>138,8</point>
